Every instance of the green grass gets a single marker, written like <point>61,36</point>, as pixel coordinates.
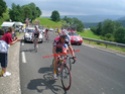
<point>88,34</point>
<point>47,22</point>
<point>109,47</point>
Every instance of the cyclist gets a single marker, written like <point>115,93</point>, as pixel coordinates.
<point>36,34</point>
<point>61,45</point>
<point>46,34</point>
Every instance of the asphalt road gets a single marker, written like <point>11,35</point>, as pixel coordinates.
<point>95,72</point>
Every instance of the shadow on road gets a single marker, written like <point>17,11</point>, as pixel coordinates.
<point>46,82</point>
<point>29,50</point>
<point>45,70</point>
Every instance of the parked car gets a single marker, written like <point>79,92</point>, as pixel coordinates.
<point>75,38</point>
<point>28,35</point>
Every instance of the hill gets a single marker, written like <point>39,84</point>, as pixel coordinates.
<point>88,22</point>
<point>93,20</point>
<point>121,20</point>
<point>47,22</point>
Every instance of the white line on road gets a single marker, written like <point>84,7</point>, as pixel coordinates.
<point>23,57</point>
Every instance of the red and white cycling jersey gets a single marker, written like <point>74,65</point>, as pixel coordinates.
<point>61,47</point>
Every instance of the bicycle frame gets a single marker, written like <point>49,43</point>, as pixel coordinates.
<point>61,62</point>
<point>63,65</point>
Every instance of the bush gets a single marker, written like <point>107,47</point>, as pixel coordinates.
<point>120,35</point>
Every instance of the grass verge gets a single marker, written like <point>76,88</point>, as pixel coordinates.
<point>108,47</point>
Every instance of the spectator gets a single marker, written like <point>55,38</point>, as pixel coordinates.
<point>1,33</point>
<point>5,41</point>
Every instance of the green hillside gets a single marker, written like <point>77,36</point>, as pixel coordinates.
<point>47,22</point>
<point>89,34</point>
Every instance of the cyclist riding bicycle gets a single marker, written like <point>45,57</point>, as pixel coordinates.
<point>36,34</point>
<point>46,34</point>
<point>61,44</point>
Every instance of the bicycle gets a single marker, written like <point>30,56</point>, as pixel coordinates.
<point>64,71</point>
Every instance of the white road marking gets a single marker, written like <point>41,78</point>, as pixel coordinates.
<point>23,57</point>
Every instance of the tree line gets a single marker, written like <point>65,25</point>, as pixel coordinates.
<point>31,11</point>
<point>20,13</point>
<point>110,30</point>
<point>71,23</point>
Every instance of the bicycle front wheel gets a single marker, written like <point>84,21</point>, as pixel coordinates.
<point>66,77</point>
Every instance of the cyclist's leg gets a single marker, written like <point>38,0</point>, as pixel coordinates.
<point>47,36</point>
<point>54,67</point>
<point>36,42</point>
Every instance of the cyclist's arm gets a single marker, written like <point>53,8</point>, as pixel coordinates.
<point>71,50</point>
<point>54,48</point>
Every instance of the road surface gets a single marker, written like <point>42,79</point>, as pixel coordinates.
<point>95,72</point>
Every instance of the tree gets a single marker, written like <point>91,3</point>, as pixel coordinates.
<point>73,23</point>
<point>55,16</point>
<point>20,13</point>
<point>6,16</point>
<point>38,11</point>
<point>77,24</point>
<point>120,35</point>
<point>108,27</point>
<point>16,13</point>
<point>2,7</point>
<point>99,29</point>
<point>27,12</point>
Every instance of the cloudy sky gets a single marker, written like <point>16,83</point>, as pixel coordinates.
<point>76,7</point>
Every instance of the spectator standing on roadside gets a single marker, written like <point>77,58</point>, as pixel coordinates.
<point>1,33</point>
<point>5,41</point>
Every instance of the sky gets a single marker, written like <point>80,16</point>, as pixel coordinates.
<point>76,7</point>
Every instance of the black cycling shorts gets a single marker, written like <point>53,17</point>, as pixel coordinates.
<point>59,50</point>
<point>36,35</point>
<point>3,59</point>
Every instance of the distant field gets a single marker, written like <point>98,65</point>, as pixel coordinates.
<point>48,23</point>
<point>88,34</point>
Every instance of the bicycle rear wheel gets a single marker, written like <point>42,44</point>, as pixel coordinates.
<point>66,78</point>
